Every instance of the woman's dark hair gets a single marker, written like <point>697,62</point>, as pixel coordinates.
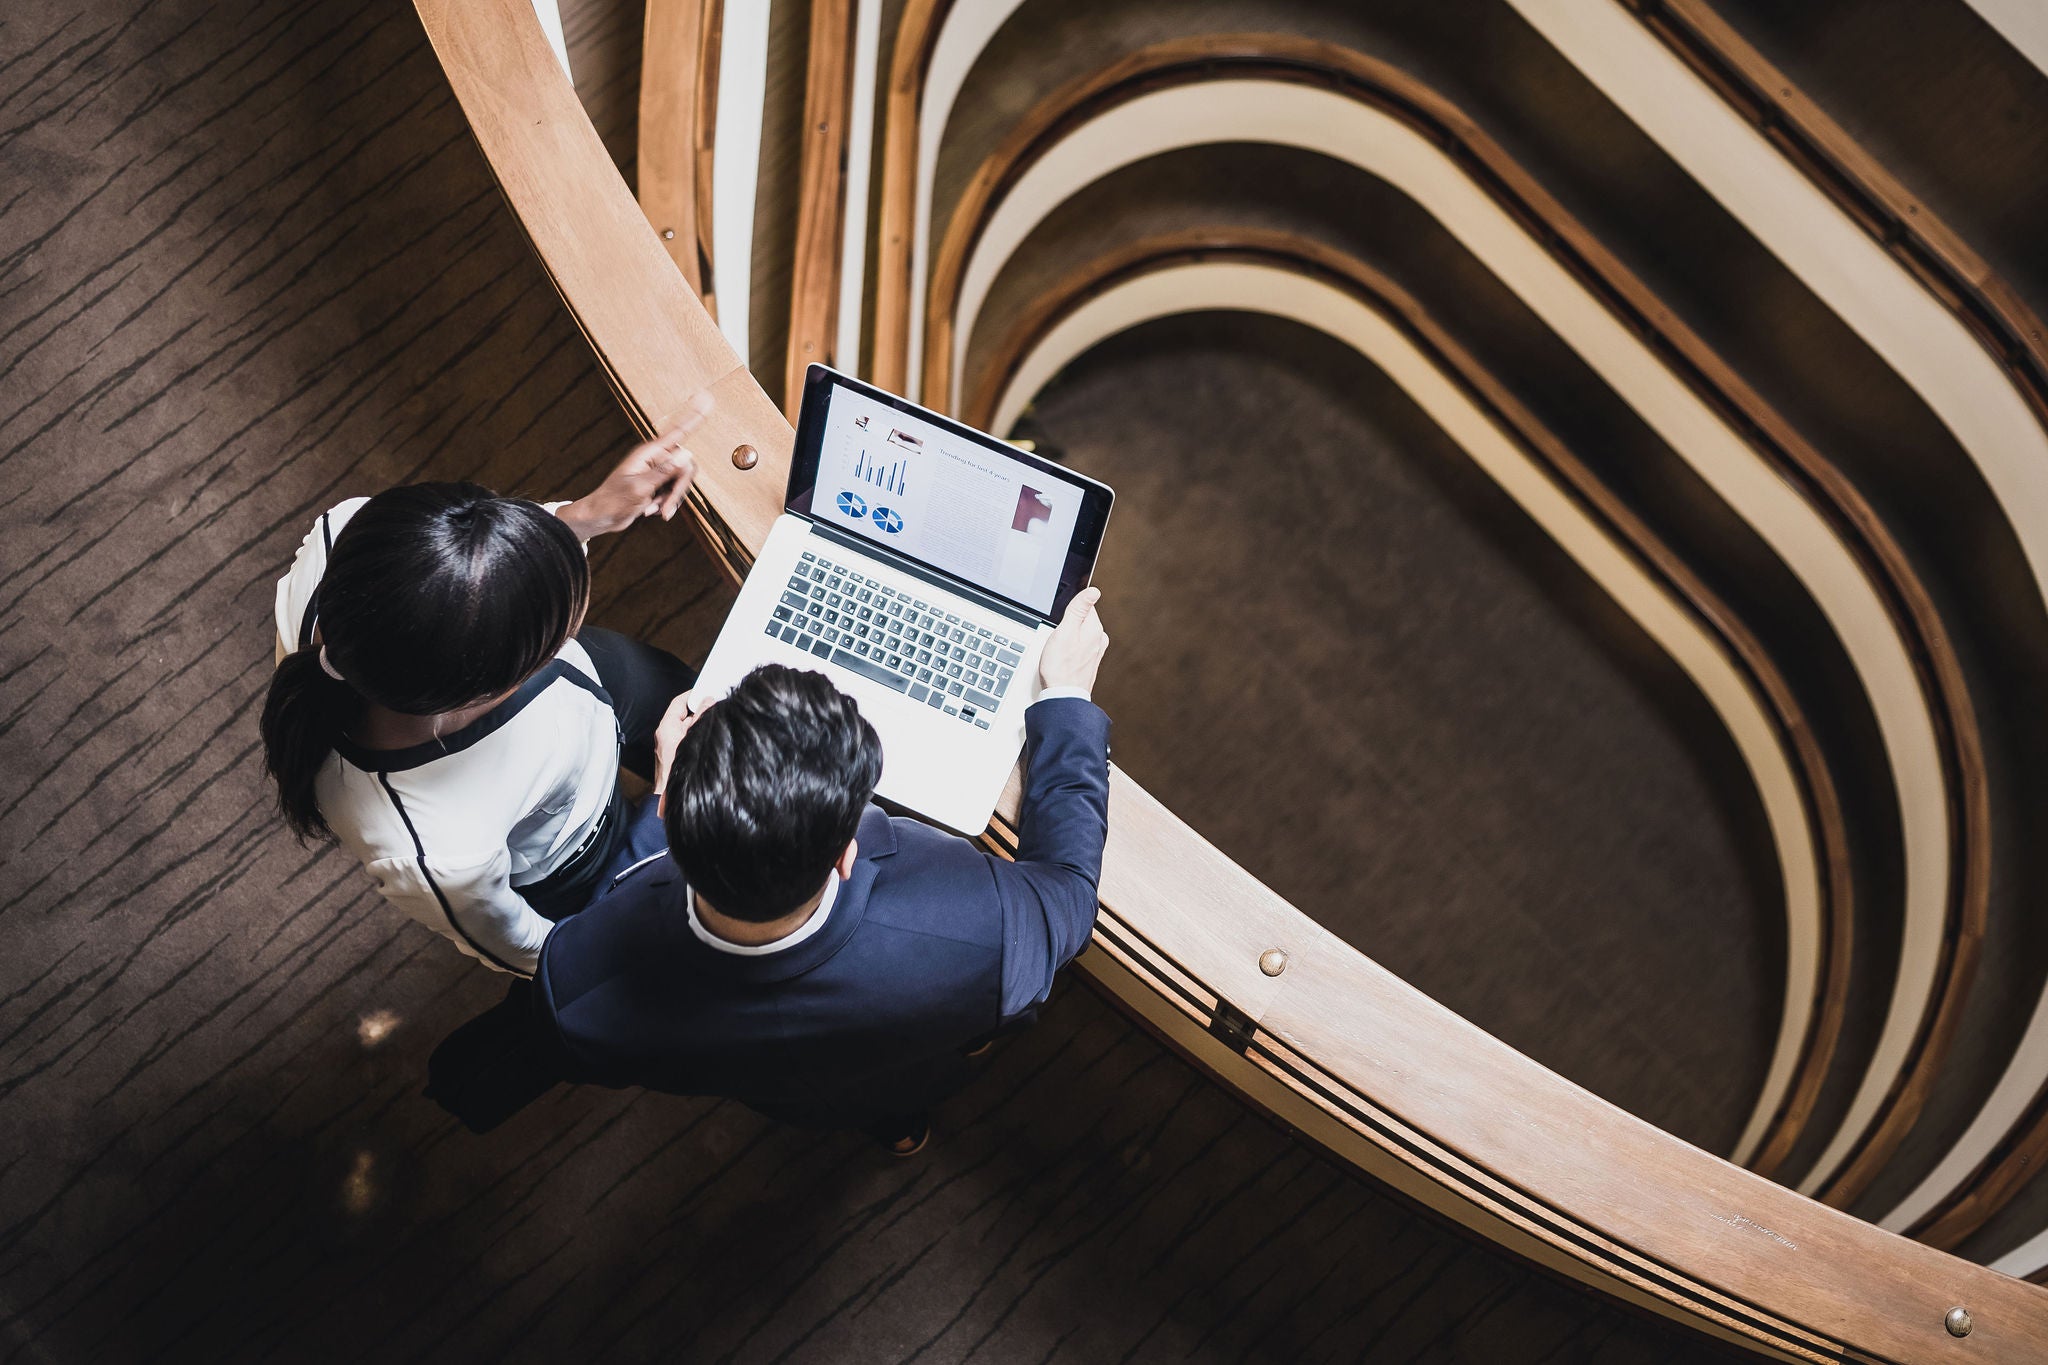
<point>436,596</point>
<point>766,791</point>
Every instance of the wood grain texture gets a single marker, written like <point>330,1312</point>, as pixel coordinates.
<point>821,197</point>
<point>1611,1196</point>
<point>1282,57</point>
<point>917,30</point>
<point>678,104</point>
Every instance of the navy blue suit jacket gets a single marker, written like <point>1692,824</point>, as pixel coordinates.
<point>931,944</point>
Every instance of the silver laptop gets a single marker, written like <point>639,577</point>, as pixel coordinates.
<point>920,564</point>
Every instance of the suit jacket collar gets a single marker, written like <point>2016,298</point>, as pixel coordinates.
<point>877,837</point>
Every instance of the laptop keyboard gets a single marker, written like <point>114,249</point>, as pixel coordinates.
<point>918,648</point>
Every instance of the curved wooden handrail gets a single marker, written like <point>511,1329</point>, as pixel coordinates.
<point>909,58</point>
<point>1376,291</point>
<point>821,197</point>
<point>1937,351</point>
<point>1306,256</point>
<point>1896,219</point>
<point>1941,260</point>
<point>1337,1046</point>
<point>678,125</point>
<point>1284,58</point>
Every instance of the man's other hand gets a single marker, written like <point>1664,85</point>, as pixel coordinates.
<point>682,713</point>
<point>1075,650</point>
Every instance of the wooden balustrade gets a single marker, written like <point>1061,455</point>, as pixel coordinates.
<point>1321,1037</point>
<point>1279,57</point>
<point>1945,264</point>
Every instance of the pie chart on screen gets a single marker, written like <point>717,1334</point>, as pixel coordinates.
<point>852,506</point>
<point>886,518</point>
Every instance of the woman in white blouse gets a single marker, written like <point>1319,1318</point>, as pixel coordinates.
<point>442,712</point>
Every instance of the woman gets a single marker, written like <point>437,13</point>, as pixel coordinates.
<point>443,713</point>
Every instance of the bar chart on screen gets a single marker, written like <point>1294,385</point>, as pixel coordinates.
<point>889,477</point>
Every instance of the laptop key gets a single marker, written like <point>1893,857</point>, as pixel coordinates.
<point>982,723</point>
<point>821,649</point>
<point>919,693</point>
<point>1008,659</point>
<point>782,613</point>
<point>792,599</point>
<point>953,689</point>
<point>937,699</point>
<point>867,668</point>
<point>774,628</point>
<point>981,699</point>
<point>789,635</point>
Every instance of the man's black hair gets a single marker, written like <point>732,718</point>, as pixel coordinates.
<point>767,790</point>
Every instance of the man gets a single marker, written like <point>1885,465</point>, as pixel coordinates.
<point>800,950</point>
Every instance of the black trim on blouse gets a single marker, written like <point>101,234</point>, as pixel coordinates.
<point>420,852</point>
<point>312,616</point>
<point>489,723</point>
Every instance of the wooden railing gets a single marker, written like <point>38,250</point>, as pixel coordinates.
<point>1292,1018</point>
<point>678,125</point>
<point>1711,614</point>
<point>1944,263</point>
<point>1279,57</point>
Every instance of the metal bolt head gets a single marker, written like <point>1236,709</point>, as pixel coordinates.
<point>1958,1322</point>
<point>745,457</point>
<point>668,234</point>
<point>1272,962</point>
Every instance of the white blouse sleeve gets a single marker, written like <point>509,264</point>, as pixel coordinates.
<point>472,906</point>
<point>295,591</point>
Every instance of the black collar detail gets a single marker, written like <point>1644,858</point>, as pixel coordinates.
<point>489,723</point>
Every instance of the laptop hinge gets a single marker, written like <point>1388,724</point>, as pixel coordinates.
<point>1232,1026</point>
<point>910,566</point>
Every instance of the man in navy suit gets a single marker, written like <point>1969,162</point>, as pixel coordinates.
<point>800,950</point>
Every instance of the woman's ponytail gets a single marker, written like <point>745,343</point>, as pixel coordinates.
<point>302,718</point>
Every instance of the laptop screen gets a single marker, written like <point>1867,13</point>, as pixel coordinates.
<point>876,466</point>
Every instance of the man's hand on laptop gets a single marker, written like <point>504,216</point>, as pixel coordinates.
<point>682,713</point>
<point>651,480</point>
<point>1075,650</point>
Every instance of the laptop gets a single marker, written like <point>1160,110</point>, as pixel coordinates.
<point>921,565</point>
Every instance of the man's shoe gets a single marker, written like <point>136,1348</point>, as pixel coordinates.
<point>911,1143</point>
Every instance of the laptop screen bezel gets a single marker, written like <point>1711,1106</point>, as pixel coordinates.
<point>1083,547</point>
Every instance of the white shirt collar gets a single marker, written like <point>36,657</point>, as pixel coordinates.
<point>788,940</point>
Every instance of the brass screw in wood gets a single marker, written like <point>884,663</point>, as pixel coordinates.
<point>745,457</point>
<point>668,234</point>
<point>1958,1322</point>
<point>1272,962</point>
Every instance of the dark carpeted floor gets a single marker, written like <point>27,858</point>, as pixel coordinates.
<point>250,264</point>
